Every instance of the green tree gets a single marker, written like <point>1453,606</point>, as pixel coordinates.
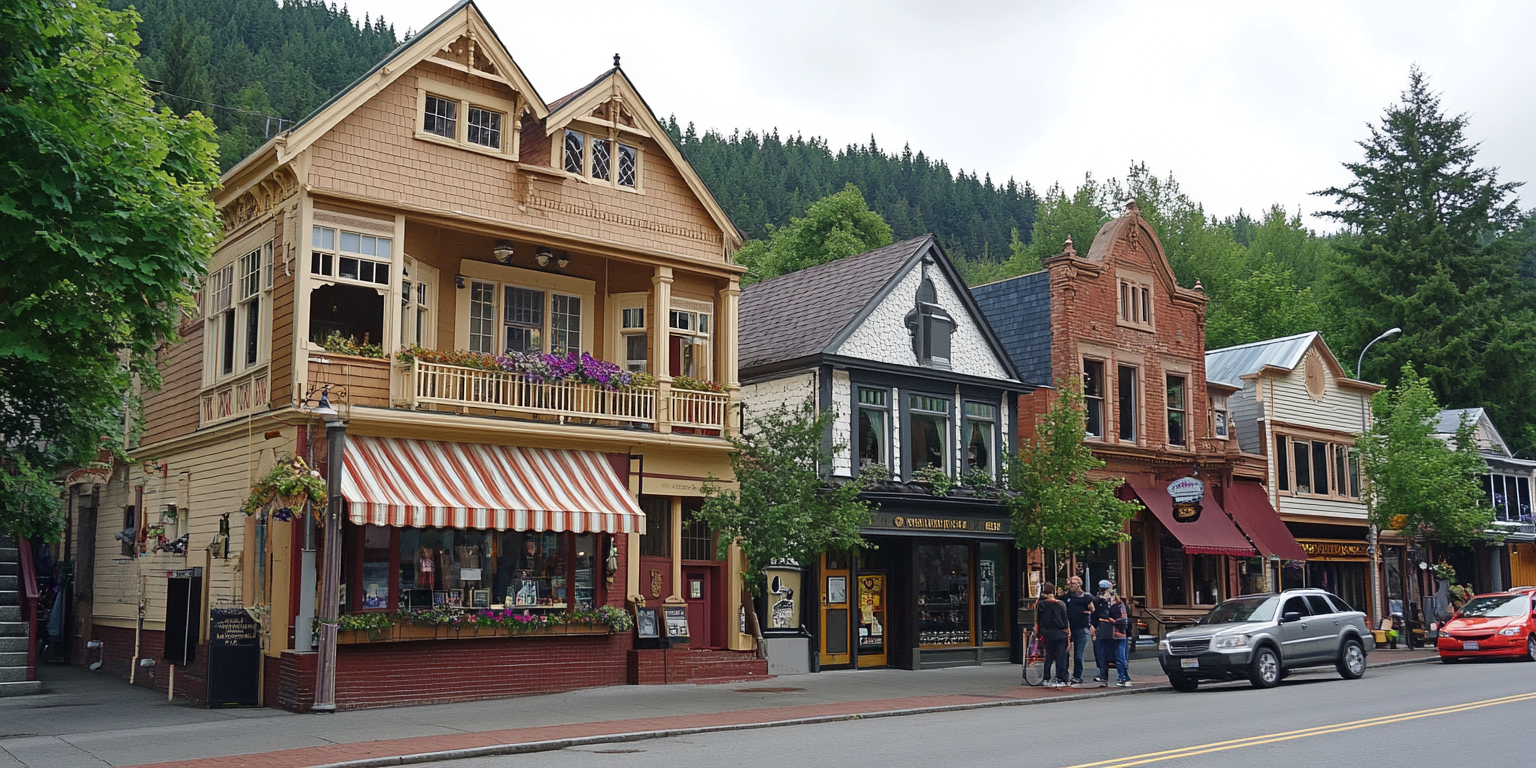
<point>1432,244</point>
<point>1264,305</point>
<point>1418,483</point>
<point>783,509</point>
<point>1053,500</point>
<point>834,227</point>
<point>105,227</point>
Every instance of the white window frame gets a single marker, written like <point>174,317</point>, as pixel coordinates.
<point>884,409</point>
<point>616,147</point>
<point>466,99</point>
<point>1182,409</point>
<point>1135,300</point>
<point>323,272</point>
<point>692,312</point>
<point>627,308</point>
<point>240,281</point>
<point>1221,417</point>
<point>418,282</point>
<point>500,278</point>
<point>1136,403</point>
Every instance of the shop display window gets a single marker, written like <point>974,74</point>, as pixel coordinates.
<point>1172,571</point>
<point>992,604</point>
<point>471,569</point>
<point>944,594</point>
<point>980,427</point>
<point>873,434</point>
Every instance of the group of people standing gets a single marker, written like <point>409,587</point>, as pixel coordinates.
<point>1078,616</point>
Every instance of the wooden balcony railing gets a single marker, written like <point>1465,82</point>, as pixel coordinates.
<point>423,384</point>
<point>514,393</point>
<point>699,410</point>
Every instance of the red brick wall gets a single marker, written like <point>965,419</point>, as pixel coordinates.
<point>118,660</point>
<point>388,674</point>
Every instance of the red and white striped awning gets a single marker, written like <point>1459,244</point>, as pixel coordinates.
<point>421,483</point>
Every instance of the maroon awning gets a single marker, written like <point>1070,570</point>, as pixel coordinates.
<point>1250,508</point>
<point>1212,534</point>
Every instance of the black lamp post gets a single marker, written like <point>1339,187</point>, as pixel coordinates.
<point>329,601</point>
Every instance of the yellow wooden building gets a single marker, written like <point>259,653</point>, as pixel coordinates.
<point>440,204</point>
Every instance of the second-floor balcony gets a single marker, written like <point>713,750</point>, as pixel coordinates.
<point>636,402</point>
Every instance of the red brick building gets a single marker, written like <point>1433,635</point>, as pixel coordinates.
<point>1117,320</point>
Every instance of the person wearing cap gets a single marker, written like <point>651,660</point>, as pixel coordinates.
<point>1112,624</point>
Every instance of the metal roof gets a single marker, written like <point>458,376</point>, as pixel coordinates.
<point>1229,365</point>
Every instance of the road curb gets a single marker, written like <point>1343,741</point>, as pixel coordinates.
<point>620,738</point>
<point>551,745</point>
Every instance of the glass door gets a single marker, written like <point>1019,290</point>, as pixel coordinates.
<point>835,575</point>
<point>872,650</point>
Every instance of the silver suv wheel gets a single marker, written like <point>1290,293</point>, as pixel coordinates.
<point>1351,660</point>
<point>1265,670</point>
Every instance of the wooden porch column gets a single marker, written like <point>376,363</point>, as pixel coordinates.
<point>663,349</point>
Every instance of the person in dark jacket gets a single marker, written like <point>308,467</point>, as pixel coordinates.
<point>1051,621</point>
<point>1080,620</point>
<point>1112,625</point>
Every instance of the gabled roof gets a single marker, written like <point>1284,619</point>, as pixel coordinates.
<point>1019,311</point>
<point>613,85</point>
<point>1449,420</point>
<point>814,310</point>
<point>799,314</point>
<point>1230,364</point>
<point>463,19</point>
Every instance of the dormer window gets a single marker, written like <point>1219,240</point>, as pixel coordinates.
<point>601,159</point>
<point>465,119</point>
<point>930,326</point>
<point>485,127</point>
<point>441,117</point>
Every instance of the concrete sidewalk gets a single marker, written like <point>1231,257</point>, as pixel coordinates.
<point>86,719</point>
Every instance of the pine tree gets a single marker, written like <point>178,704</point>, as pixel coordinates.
<point>1431,245</point>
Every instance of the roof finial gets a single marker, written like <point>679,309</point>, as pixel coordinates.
<point>615,61</point>
<point>1130,206</point>
<point>1198,286</point>
<point>1068,249</point>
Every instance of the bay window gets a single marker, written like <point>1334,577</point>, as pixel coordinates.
<point>928,435</point>
<point>235,326</point>
<point>873,435</point>
<point>351,270</point>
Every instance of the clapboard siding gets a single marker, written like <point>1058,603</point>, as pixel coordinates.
<point>283,286</point>
<point>1321,507</point>
<point>1339,409</point>
<point>364,381</point>
<point>171,410</point>
<point>1246,411</point>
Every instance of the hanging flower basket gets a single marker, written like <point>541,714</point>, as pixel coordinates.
<point>286,489</point>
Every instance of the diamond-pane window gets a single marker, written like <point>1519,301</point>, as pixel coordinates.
<point>485,127</point>
<point>627,155</point>
<point>441,117</point>
<point>602,167</point>
<point>573,147</point>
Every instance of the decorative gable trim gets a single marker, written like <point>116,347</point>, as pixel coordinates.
<point>464,26</point>
<point>611,103</point>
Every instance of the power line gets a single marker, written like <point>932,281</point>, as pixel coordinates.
<point>266,131</point>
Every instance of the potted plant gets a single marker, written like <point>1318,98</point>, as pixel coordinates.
<point>286,489</point>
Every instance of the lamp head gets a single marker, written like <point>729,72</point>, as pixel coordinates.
<point>564,259</point>
<point>325,410</point>
<point>542,255</point>
<point>502,251</point>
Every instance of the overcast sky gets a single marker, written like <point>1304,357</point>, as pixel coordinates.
<point>1246,104</point>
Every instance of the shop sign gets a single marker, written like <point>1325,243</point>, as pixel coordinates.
<point>1187,493</point>
<point>939,524</point>
<point>1333,548</point>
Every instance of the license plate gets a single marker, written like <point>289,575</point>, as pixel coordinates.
<point>1189,663</point>
<point>1469,645</point>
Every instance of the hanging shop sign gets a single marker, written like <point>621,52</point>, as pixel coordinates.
<point>1334,550</point>
<point>1187,493</point>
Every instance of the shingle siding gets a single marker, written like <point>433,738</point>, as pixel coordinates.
<point>1019,310</point>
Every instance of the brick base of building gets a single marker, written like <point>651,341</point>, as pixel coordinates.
<point>666,666</point>
<point>118,660</point>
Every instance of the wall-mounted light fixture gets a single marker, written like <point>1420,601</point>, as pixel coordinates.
<point>542,256</point>
<point>458,281</point>
<point>565,258</point>
<point>503,252</point>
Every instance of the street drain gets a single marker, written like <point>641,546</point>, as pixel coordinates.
<point>768,690</point>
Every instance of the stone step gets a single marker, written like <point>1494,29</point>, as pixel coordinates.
<point>9,554</point>
<point>10,597</point>
<point>10,569</point>
<point>10,613</point>
<point>23,688</point>
<point>7,540</point>
<point>13,629</point>
<point>13,659</point>
<point>13,644</point>
<point>9,582</point>
<point>13,674</point>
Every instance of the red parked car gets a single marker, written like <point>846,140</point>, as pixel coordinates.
<point>1501,624</point>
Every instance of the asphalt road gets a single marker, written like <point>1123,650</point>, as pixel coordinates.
<point>1418,715</point>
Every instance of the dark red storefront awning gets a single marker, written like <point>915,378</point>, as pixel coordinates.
<point>1250,507</point>
<point>1212,534</point>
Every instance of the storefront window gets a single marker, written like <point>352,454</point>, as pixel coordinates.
<point>944,594</point>
<point>1251,571</point>
<point>657,539</point>
<point>1205,578</point>
<point>1172,571</point>
<point>474,569</point>
<point>992,591</point>
<point>374,594</point>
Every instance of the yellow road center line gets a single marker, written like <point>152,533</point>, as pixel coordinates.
<point>1200,749</point>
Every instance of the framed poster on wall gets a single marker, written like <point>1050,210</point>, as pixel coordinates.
<point>837,590</point>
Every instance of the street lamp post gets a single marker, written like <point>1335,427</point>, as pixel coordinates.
<point>330,574</point>
<point>1371,532</point>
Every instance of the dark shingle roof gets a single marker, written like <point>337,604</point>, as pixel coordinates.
<point>799,314</point>
<point>1019,311</point>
